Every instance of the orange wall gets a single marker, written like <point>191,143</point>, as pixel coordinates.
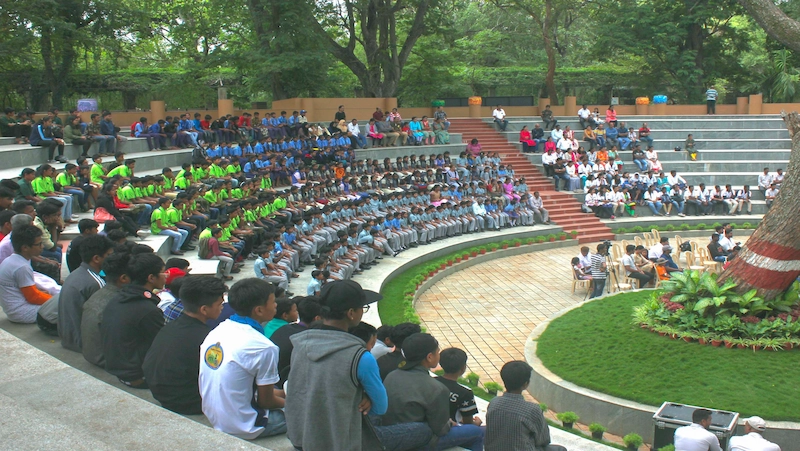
<point>323,110</point>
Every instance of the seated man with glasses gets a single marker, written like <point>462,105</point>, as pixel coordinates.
<point>21,300</point>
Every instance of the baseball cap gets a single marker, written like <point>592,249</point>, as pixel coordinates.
<point>343,295</point>
<point>302,111</point>
<point>756,423</point>
<point>415,348</point>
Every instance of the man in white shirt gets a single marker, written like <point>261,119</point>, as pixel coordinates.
<point>770,194</point>
<point>358,139</point>
<point>537,205</point>
<point>743,197</point>
<point>583,116</point>
<point>237,362</point>
<point>764,180</point>
<point>631,270</point>
<point>548,160</point>
<point>585,257</point>
<point>752,440</point>
<point>654,253</point>
<point>674,179</point>
<point>778,178</point>
<point>556,133</point>
<point>696,436</point>
<point>499,116</point>
<point>564,145</point>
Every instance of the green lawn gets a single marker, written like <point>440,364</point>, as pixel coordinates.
<point>391,306</point>
<point>597,347</point>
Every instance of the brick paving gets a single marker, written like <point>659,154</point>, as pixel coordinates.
<point>489,309</point>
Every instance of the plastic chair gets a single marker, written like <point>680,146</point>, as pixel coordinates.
<point>656,235</point>
<point>678,241</point>
<point>692,264</point>
<point>638,241</point>
<point>615,284</point>
<point>709,262</point>
<point>648,239</point>
<point>583,283</point>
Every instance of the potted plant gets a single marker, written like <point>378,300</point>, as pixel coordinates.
<point>482,250</point>
<point>504,244</point>
<point>597,430</point>
<point>702,338</point>
<point>449,262</point>
<point>473,378</point>
<point>457,259</point>
<point>715,341</point>
<point>473,253</point>
<point>540,239</point>
<point>567,418</point>
<point>728,340</point>
<point>493,247</point>
<point>492,388</point>
<point>562,236</point>
<point>517,242</point>
<point>632,441</point>
<point>530,240</point>
<point>543,406</point>
<point>574,234</point>
<point>667,448</point>
<point>551,237</point>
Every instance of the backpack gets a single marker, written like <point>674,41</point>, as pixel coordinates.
<point>133,128</point>
<point>199,154</point>
<point>686,246</point>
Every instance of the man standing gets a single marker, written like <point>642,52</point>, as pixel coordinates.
<point>79,286</point>
<point>711,100</point>
<point>499,116</point>
<point>752,440</point>
<point>599,273</point>
<point>335,379</point>
<point>696,436</point>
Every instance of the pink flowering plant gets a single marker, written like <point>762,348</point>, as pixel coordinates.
<point>696,305</point>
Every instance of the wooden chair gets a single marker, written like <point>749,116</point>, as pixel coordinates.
<point>692,264</point>
<point>583,283</point>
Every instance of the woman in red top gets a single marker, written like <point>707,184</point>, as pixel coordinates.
<point>527,142</point>
<point>549,145</point>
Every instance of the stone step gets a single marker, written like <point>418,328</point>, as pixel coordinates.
<point>759,158</point>
<point>24,155</point>
<point>759,207</point>
<point>661,124</point>
<point>698,135</point>
<point>145,161</point>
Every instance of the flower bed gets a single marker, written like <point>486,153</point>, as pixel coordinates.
<point>698,307</point>
<point>681,227</point>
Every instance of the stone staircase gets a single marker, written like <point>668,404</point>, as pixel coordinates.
<point>564,210</point>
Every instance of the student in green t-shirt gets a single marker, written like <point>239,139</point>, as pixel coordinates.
<point>43,186</point>
<point>160,224</point>
<point>69,184</point>
<point>184,181</point>
<point>177,218</point>
<point>125,171</point>
<point>215,170</point>
<point>169,179</point>
<point>97,176</point>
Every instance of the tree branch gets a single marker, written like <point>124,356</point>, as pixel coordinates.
<point>775,22</point>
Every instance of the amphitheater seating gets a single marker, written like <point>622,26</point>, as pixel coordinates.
<point>732,149</point>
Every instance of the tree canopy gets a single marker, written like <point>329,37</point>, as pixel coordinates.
<point>127,53</point>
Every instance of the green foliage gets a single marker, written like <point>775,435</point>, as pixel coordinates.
<point>473,378</point>
<point>667,448</point>
<point>567,417</point>
<point>543,406</point>
<point>633,440</point>
<point>684,226</point>
<point>493,387</point>
<point>596,427</point>
<point>701,226</point>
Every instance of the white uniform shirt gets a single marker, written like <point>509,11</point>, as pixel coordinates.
<point>675,180</point>
<point>354,129</point>
<point>764,180</point>
<point>752,442</point>
<point>556,134</point>
<point>695,438</point>
<point>16,273</point>
<point>549,158</point>
<point>656,251</point>
<point>771,193</point>
<point>499,114</point>
<point>628,262</point>
<point>586,261</point>
<point>232,357</point>
<point>584,113</point>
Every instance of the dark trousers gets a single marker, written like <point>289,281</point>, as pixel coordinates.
<point>86,143</point>
<point>643,278</point>
<point>548,170</point>
<point>549,124</point>
<point>51,146</point>
<point>711,107</point>
<point>599,286</point>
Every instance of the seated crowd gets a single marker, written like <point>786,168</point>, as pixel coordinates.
<point>260,362</point>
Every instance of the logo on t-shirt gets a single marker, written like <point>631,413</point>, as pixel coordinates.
<point>213,356</point>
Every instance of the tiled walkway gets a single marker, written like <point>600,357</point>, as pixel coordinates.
<point>490,309</point>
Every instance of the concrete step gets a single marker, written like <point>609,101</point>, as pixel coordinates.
<point>664,123</point>
<point>145,161</point>
<point>698,135</point>
<point>23,155</point>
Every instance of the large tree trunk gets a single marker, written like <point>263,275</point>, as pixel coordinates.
<point>550,50</point>
<point>770,260</point>
<point>775,22</point>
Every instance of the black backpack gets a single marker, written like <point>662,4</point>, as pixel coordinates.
<point>686,246</point>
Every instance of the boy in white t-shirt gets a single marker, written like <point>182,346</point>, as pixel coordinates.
<point>239,367</point>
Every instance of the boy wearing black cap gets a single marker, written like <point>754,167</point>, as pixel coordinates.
<point>414,396</point>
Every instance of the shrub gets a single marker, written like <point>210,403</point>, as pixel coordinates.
<point>567,417</point>
<point>747,225</point>
<point>633,440</point>
<point>473,378</point>
<point>701,226</point>
<point>716,224</point>
<point>493,387</point>
<point>621,230</point>
<point>684,226</point>
<point>670,228</point>
<point>667,448</point>
<point>543,406</point>
<point>540,239</point>
<point>596,427</point>
<point>551,236</point>
<point>637,229</point>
